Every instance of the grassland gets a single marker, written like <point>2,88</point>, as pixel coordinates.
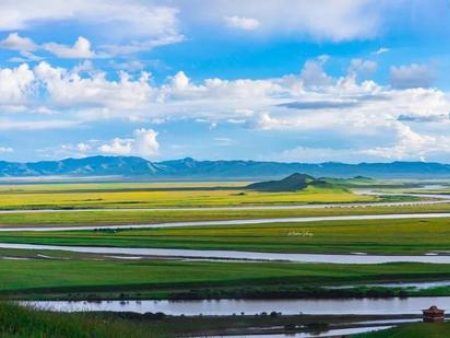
<point>83,277</point>
<point>401,236</point>
<point>93,217</point>
<point>417,330</point>
<point>88,196</point>
<point>18,322</point>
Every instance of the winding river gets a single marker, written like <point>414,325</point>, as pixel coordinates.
<point>212,255</point>
<point>230,222</point>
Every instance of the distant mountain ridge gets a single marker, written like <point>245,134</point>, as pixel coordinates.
<point>190,168</point>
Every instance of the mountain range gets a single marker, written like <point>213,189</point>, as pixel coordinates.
<point>189,168</point>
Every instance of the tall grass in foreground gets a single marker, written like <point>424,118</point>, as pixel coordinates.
<point>17,321</point>
<point>416,330</point>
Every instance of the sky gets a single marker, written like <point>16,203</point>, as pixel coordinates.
<point>280,80</point>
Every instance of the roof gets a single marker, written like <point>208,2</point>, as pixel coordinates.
<point>433,309</point>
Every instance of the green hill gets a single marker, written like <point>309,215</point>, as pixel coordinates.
<point>293,182</point>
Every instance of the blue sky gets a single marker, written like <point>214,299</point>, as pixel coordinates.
<point>283,80</point>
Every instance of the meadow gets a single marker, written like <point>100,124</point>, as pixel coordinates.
<point>73,278</point>
<point>418,330</point>
<point>19,322</point>
<point>111,217</point>
<point>391,237</point>
<point>40,274</point>
<point>154,195</point>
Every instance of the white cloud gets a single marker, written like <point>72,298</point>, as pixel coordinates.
<point>138,46</point>
<point>129,17</point>
<point>143,144</point>
<point>118,146</point>
<point>144,23</point>
<point>80,50</point>
<point>16,84</point>
<point>409,145</point>
<point>83,147</point>
<point>17,42</point>
<point>242,22</point>
<point>412,146</point>
<point>14,125</point>
<point>6,150</point>
<point>365,66</point>
<point>310,103</point>
<point>313,74</point>
<point>382,50</point>
<point>412,76</point>
<point>336,20</point>
<point>68,89</point>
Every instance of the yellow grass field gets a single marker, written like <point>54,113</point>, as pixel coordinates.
<point>150,195</point>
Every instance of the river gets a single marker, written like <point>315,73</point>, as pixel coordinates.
<point>212,255</point>
<point>365,306</point>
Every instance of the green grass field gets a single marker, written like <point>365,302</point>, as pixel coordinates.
<point>67,275</point>
<point>80,276</point>
<point>18,322</point>
<point>405,236</point>
<point>419,330</point>
<point>153,216</point>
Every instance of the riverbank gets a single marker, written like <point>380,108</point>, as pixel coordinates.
<point>44,275</point>
<point>18,321</point>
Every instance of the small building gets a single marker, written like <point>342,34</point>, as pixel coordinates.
<point>433,315</point>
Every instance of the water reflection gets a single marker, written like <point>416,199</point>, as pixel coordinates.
<point>365,306</point>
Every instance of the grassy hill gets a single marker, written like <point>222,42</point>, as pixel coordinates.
<point>293,182</point>
<point>298,182</point>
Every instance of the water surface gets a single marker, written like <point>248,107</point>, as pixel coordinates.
<point>235,255</point>
<point>365,306</point>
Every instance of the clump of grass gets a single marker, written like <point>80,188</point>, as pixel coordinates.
<point>17,321</point>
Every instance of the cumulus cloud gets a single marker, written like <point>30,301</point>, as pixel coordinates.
<point>144,143</point>
<point>80,50</point>
<point>412,76</point>
<point>17,42</point>
<point>305,103</point>
<point>412,145</point>
<point>16,84</point>
<point>239,22</point>
<point>313,75</point>
<point>408,145</point>
<point>67,88</point>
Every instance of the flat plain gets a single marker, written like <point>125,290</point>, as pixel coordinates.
<point>42,274</point>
